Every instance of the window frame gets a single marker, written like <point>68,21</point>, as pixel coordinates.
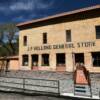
<point>23,60</point>
<point>35,60</point>
<point>97,28</point>
<point>45,38</point>
<point>95,59</point>
<point>25,40</point>
<point>59,61</point>
<point>43,64</point>
<point>68,36</point>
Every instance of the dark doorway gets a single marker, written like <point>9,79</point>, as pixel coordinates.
<point>96,59</point>
<point>34,60</point>
<point>25,60</point>
<point>79,58</point>
<point>60,59</point>
<point>45,59</point>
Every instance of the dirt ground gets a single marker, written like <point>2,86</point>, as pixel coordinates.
<point>13,96</point>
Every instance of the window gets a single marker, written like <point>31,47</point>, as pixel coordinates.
<point>96,59</point>
<point>79,58</point>
<point>45,59</point>
<point>60,59</point>
<point>25,40</point>
<point>44,38</point>
<point>97,32</point>
<point>35,60</point>
<point>25,60</point>
<point>68,35</point>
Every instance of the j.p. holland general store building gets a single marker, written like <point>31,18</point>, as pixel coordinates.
<point>60,42</point>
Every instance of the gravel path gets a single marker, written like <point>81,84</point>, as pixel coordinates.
<point>38,74</point>
<point>44,75</point>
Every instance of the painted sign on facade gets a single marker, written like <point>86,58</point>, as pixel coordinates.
<point>62,46</point>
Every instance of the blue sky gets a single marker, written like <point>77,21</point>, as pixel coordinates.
<point>24,10</point>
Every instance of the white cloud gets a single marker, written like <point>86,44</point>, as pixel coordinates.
<point>29,5</point>
<point>41,5</point>
<point>28,17</point>
<point>2,8</point>
<point>5,10</point>
<point>21,6</point>
<point>24,18</point>
<point>19,18</point>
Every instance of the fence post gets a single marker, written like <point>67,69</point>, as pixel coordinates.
<point>23,84</point>
<point>59,87</point>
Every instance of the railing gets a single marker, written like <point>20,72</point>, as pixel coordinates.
<point>30,84</point>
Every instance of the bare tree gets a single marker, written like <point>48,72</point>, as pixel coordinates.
<point>9,37</point>
<point>8,42</point>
